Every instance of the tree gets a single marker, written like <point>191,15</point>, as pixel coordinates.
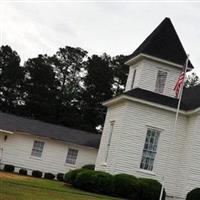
<point>66,88</point>
<point>192,80</point>
<point>68,64</point>
<point>40,88</point>
<point>11,79</point>
<point>97,88</point>
<point>120,73</point>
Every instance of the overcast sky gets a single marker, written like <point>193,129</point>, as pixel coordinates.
<point>38,27</point>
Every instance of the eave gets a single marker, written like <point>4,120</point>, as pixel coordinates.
<point>123,98</point>
<point>143,56</point>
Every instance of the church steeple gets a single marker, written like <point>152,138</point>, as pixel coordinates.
<point>163,43</point>
<point>158,61</point>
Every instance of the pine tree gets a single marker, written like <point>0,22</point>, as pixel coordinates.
<point>40,88</point>
<point>11,79</point>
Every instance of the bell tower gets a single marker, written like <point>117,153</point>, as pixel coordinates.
<point>156,64</point>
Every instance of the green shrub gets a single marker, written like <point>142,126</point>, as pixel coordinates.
<point>86,180</point>
<point>60,177</point>
<point>150,189</point>
<point>23,172</point>
<point>71,175</point>
<point>194,194</point>
<point>104,183</point>
<point>94,181</point>
<point>9,168</point>
<point>37,173</point>
<point>49,176</point>
<point>91,167</point>
<point>122,185</point>
<point>126,186</point>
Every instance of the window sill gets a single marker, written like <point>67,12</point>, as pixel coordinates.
<point>146,172</point>
<point>70,165</point>
<point>35,158</point>
<point>104,164</point>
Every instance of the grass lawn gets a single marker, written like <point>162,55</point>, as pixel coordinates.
<point>17,187</point>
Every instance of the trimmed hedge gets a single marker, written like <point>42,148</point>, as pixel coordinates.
<point>94,181</point>
<point>71,175</point>
<point>9,168</point>
<point>60,177</point>
<point>150,189</point>
<point>91,167</point>
<point>23,172</point>
<point>37,173</point>
<point>49,176</point>
<point>194,194</point>
<point>126,186</point>
<point>104,183</point>
<point>122,185</point>
<point>86,180</point>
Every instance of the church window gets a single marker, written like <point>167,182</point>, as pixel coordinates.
<point>71,156</point>
<point>37,149</point>
<point>160,81</point>
<point>150,149</point>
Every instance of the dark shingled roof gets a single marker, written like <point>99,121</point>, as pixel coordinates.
<point>190,99</point>
<point>15,123</point>
<point>163,43</point>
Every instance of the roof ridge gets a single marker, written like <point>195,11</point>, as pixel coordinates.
<point>164,43</point>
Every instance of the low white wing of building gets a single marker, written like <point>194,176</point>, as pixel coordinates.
<point>35,145</point>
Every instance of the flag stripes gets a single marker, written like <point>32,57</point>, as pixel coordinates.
<point>179,82</point>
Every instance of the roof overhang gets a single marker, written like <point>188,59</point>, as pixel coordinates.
<point>122,98</point>
<point>5,131</point>
<point>142,56</point>
<point>55,139</point>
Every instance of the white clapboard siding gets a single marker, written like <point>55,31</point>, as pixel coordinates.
<point>192,154</point>
<point>128,141</point>
<point>138,68</point>
<point>17,151</point>
<point>114,113</point>
<point>147,73</point>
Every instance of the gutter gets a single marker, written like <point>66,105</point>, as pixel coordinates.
<point>123,97</point>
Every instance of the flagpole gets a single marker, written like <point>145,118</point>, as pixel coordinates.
<point>176,119</point>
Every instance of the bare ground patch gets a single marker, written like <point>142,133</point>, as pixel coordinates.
<point>5,175</point>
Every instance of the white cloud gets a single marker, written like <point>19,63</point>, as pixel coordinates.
<point>113,27</point>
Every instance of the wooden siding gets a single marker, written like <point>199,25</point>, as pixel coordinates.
<point>191,154</point>
<point>17,151</point>
<point>114,113</point>
<point>147,74</point>
<point>138,68</point>
<point>128,141</point>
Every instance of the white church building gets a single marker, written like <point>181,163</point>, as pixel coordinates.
<point>138,136</point>
<point>138,133</point>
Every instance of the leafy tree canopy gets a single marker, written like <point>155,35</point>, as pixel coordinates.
<point>67,88</point>
<point>11,79</point>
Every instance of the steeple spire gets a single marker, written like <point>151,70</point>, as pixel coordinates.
<point>163,43</point>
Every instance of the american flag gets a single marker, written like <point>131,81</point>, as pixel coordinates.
<point>179,82</point>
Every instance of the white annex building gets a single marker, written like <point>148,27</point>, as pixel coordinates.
<point>139,123</point>
<point>35,145</point>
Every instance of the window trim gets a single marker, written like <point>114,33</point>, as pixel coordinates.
<point>133,78</point>
<point>158,88</point>
<point>71,158</point>
<point>40,150</point>
<point>142,169</point>
<point>112,124</point>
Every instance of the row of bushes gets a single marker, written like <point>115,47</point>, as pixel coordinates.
<point>121,185</point>
<point>35,173</point>
<point>194,194</point>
